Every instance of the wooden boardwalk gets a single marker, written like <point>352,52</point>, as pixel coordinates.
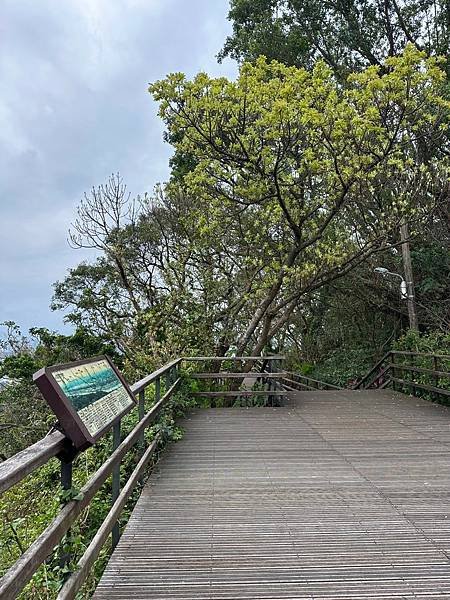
<point>342,495</point>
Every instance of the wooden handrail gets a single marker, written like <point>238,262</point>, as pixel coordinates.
<point>366,376</point>
<point>24,568</point>
<point>421,386</point>
<point>392,367</point>
<point>378,375</point>
<point>414,369</point>
<point>55,444</point>
<point>407,353</point>
<point>318,381</point>
<point>146,381</point>
<point>226,375</point>
<point>297,383</point>
<point>234,393</point>
<point>17,467</point>
<point>224,358</point>
<point>76,580</point>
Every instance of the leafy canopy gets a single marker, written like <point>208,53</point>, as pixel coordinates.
<point>310,175</point>
<point>347,35</point>
<point>292,149</point>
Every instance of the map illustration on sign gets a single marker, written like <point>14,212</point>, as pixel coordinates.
<point>95,392</point>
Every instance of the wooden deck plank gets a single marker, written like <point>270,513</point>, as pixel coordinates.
<point>337,495</point>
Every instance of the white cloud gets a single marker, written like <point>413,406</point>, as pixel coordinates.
<point>74,108</point>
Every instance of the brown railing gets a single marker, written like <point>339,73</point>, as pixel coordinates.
<point>26,462</point>
<point>420,373</point>
<point>303,382</point>
<point>264,373</point>
<point>13,470</point>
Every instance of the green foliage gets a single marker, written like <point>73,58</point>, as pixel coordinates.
<point>347,35</point>
<point>431,263</point>
<point>24,417</point>
<point>154,291</point>
<point>55,348</point>
<point>21,366</point>
<point>290,183</point>
<point>344,366</point>
<point>299,168</point>
<point>435,342</point>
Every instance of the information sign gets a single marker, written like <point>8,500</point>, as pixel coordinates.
<point>87,396</point>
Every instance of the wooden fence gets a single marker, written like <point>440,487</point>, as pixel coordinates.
<point>26,462</point>
<point>420,373</point>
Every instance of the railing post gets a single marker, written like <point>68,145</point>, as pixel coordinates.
<point>394,372</point>
<point>141,416</point>
<point>276,382</point>
<point>66,484</point>
<point>116,483</point>
<point>413,375</point>
<point>157,389</point>
<point>168,379</point>
<point>436,376</point>
<point>264,368</point>
<point>270,381</point>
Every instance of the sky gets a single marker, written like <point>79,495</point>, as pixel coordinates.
<point>74,108</point>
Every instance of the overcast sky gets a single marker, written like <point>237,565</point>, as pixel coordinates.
<point>74,108</point>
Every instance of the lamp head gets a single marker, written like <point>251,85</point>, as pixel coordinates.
<point>381,270</point>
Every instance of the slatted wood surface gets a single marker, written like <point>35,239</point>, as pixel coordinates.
<point>342,495</point>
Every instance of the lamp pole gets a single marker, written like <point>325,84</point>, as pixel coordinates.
<point>407,265</point>
<point>405,294</point>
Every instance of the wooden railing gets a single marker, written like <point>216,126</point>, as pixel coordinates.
<point>264,373</point>
<point>419,373</point>
<point>26,462</point>
<point>13,470</point>
<point>304,382</point>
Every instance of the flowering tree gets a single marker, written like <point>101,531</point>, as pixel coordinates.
<point>303,179</point>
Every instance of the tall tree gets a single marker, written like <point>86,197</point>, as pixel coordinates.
<point>313,177</point>
<point>156,287</point>
<point>348,35</point>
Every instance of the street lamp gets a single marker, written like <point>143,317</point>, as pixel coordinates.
<point>403,286</point>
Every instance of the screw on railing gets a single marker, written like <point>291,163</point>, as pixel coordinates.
<point>115,482</point>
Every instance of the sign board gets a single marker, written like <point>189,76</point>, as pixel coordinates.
<point>87,396</point>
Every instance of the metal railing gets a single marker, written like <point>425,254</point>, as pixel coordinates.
<point>26,462</point>
<point>419,373</point>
